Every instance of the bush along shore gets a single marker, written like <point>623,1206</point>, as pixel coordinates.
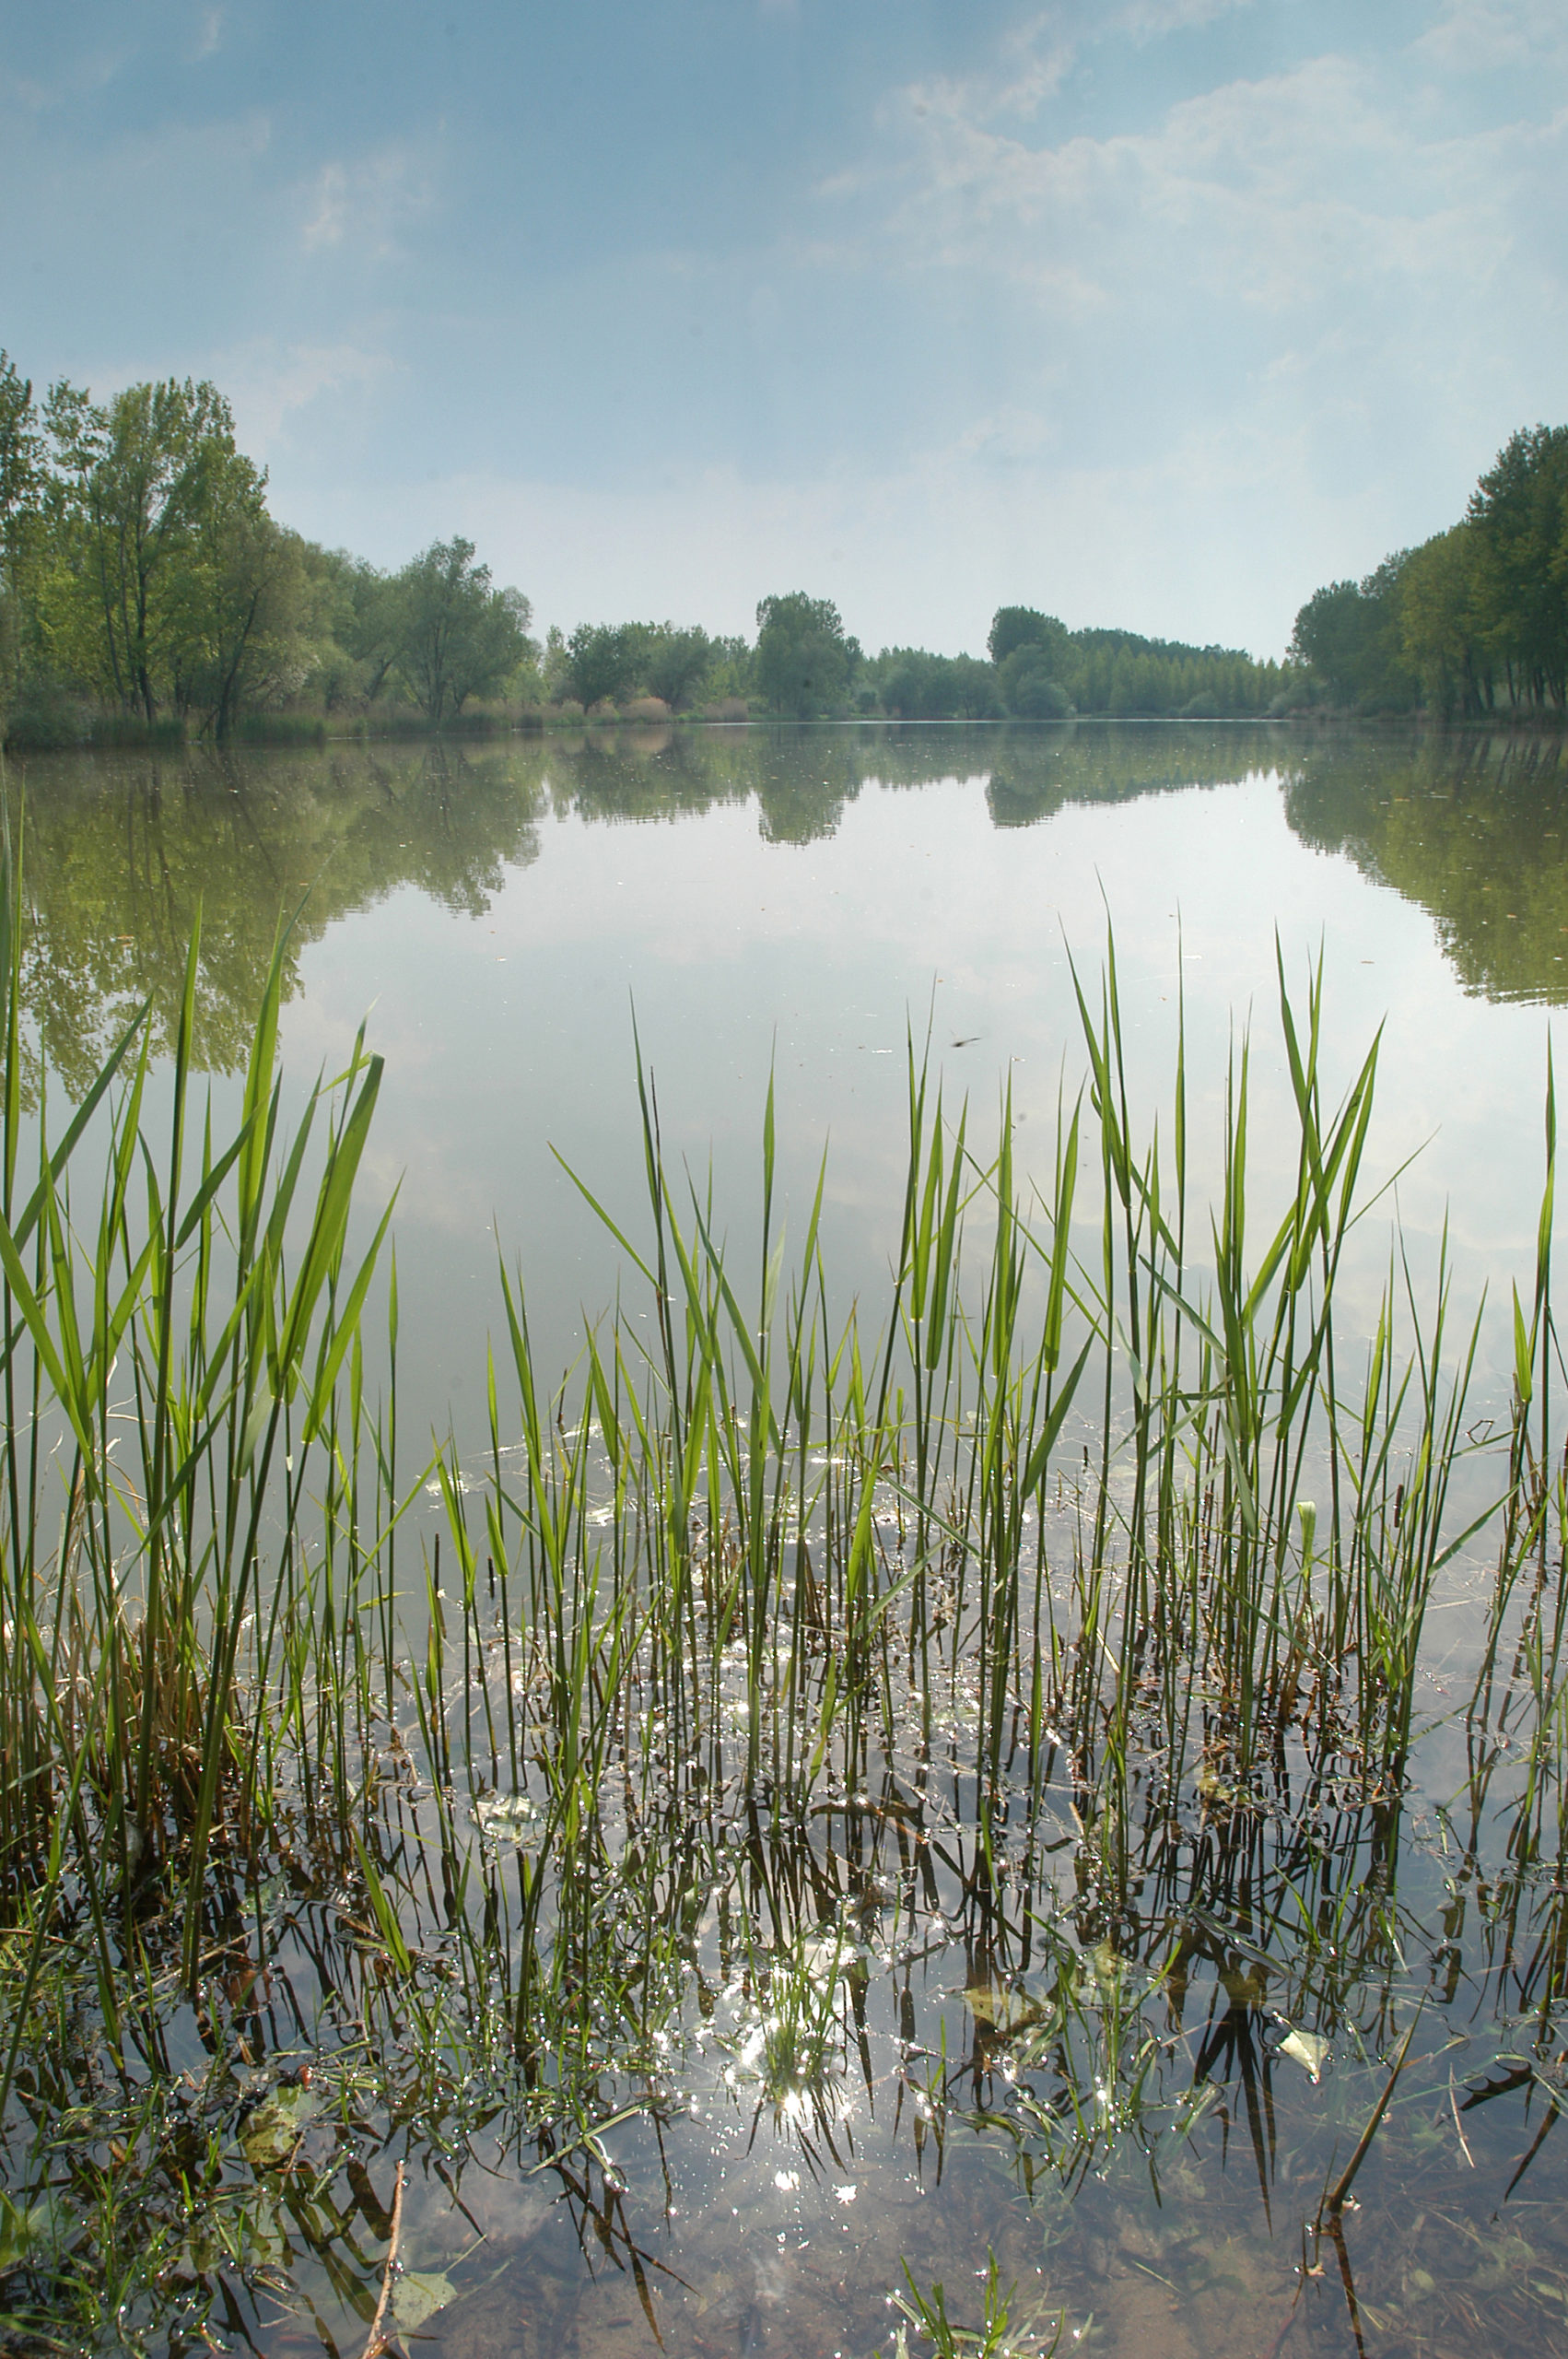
<point>354,1803</point>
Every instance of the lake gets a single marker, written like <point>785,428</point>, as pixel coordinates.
<point>1135,2107</point>
<point>800,902</point>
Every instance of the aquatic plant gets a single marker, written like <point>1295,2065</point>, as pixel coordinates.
<point>347,1809</point>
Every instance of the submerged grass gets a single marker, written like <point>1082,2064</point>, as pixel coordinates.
<point>744,1658</point>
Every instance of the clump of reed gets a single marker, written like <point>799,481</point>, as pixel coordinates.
<point>1093,1520</point>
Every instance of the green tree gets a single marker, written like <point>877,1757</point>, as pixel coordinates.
<point>22,481</point>
<point>1519,510</point>
<point>457,636</point>
<point>676,663</point>
<point>1443,622</point>
<point>1028,689</point>
<point>129,482</point>
<point>237,606</point>
<point>604,661</point>
<point>918,687</point>
<point>361,613</point>
<point>805,663</point>
<point>1350,634</point>
<point>1015,626</point>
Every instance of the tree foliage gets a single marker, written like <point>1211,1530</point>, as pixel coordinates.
<point>914,685</point>
<point>1350,634</point>
<point>456,636</point>
<point>805,662</point>
<point>1016,627</point>
<point>1476,619</point>
<point>141,573</point>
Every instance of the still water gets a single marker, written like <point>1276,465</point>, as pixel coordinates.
<point>1138,2128</point>
<point>802,903</point>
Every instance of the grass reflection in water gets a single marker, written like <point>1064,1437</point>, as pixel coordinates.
<point>847,1810</point>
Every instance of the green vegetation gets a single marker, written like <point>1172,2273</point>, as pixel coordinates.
<point>147,593</point>
<point>143,586</point>
<point>1474,620</point>
<point>655,668</point>
<point>1041,671</point>
<point>805,663</point>
<point>359,1805</point>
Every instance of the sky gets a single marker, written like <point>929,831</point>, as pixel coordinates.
<point>1158,313</point>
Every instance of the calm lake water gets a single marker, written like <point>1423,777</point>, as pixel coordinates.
<point>802,902</point>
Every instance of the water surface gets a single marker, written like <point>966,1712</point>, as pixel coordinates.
<point>1135,2109</point>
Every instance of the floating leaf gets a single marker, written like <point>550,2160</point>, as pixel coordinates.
<point>1307,2049</point>
<point>509,1818</point>
<point>419,2295</point>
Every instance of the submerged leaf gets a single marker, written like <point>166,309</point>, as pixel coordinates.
<point>1006,2010</point>
<point>273,2132</point>
<point>419,2295</point>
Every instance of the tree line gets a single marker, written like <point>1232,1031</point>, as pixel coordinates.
<point>1474,621</point>
<point>145,586</point>
<point>142,576</point>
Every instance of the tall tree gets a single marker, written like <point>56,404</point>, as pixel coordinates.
<point>676,663</point>
<point>1444,624</point>
<point>1350,634</point>
<point>130,481</point>
<point>459,637</point>
<point>1015,626</point>
<point>804,660</point>
<point>22,481</point>
<point>1519,510</point>
<point>604,661</point>
<point>236,606</point>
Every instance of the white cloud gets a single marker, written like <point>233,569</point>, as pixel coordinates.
<point>1480,34</point>
<point>268,385</point>
<point>1275,190</point>
<point>209,32</point>
<point>1148,20</point>
<point>1033,61</point>
<point>365,202</point>
<point>90,70</point>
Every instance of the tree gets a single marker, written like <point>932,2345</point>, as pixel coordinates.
<point>1350,634</point>
<point>1441,622</point>
<point>457,637</point>
<point>604,661</point>
<point>130,483</point>
<point>918,687</point>
<point>676,663</point>
<point>1028,689</point>
<point>1519,510</point>
<point>22,479</point>
<point>805,663</point>
<point>236,625</point>
<point>1015,626</point>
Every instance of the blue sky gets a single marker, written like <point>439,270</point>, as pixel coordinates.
<point>1157,312</point>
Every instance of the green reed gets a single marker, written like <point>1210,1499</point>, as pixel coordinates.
<point>1090,1505</point>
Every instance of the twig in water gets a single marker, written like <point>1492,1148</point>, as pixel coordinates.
<point>376,2341</point>
<point>1454,2102</point>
